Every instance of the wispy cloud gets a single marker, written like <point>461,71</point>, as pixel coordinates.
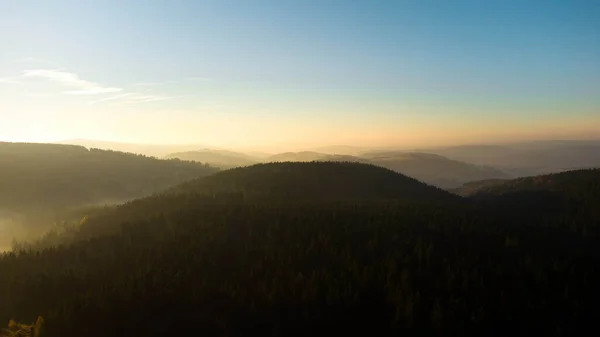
<point>111,98</point>
<point>131,99</point>
<point>79,86</point>
<point>147,99</point>
<point>140,98</point>
<point>70,80</point>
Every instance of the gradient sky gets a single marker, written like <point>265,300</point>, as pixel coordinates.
<point>260,73</point>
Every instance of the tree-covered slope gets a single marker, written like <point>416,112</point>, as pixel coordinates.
<point>472,187</point>
<point>38,176</point>
<point>576,183</point>
<point>187,262</point>
<point>542,197</point>
<point>315,269</point>
<point>298,181</point>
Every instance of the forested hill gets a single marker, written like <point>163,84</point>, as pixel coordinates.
<point>543,196</point>
<point>180,263</point>
<point>583,184</point>
<point>314,181</point>
<point>38,176</point>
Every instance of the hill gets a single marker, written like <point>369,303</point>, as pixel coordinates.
<point>153,150</point>
<point>218,158</point>
<point>541,199</point>
<point>579,184</point>
<point>429,168</point>
<point>301,181</point>
<point>46,176</point>
<point>179,261</point>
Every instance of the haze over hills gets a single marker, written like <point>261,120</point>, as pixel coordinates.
<point>343,150</point>
<point>218,158</point>
<point>297,156</point>
<point>510,159</point>
<point>529,158</point>
<point>153,150</point>
<point>449,168</point>
<point>434,169</point>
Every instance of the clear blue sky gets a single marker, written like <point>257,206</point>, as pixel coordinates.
<point>260,72</point>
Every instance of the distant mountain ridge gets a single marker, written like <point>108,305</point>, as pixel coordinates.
<point>528,158</point>
<point>219,158</point>
<point>434,169</point>
<point>154,150</point>
<point>296,156</point>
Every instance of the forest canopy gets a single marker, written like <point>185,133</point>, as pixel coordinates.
<point>189,261</point>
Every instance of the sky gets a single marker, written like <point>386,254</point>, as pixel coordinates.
<point>299,73</point>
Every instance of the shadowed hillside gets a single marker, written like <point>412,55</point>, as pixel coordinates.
<point>295,181</point>
<point>582,184</point>
<point>473,187</point>
<point>374,267</point>
<point>542,198</point>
